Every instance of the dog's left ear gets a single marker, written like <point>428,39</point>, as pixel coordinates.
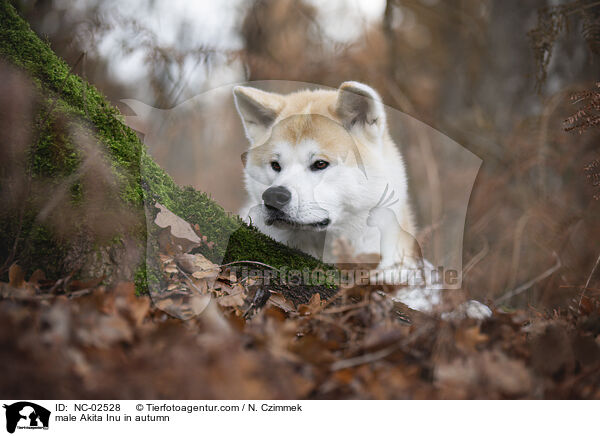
<point>360,108</point>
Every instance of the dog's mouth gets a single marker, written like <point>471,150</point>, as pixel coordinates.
<point>281,219</point>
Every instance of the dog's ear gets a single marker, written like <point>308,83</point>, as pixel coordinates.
<point>258,110</point>
<point>360,109</point>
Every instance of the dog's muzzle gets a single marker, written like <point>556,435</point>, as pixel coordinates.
<point>276,198</point>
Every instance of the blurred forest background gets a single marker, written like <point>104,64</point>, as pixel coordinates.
<point>498,77</point>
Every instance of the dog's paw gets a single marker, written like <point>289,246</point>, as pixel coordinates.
<point>421,299</point>
<point>469,309</point>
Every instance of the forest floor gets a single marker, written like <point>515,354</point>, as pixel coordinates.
<point>74,339</point>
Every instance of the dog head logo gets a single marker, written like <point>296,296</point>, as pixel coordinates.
<point>26,415</point>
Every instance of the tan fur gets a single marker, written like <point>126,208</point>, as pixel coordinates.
<point>332,137</point>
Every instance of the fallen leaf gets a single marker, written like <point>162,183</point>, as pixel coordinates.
<point>468,338</point>
<point>198,266</point>
<point>36,277</point>
<point>551,349</point>
<point>16,276</point>
<point>77,285</point>
<point>198,303</point>
<point>280,301</point>
<point>313,305</point>
<point>177,234</point>
<point>234,300</point>
<point>128,303</point>
<point>179,227</point>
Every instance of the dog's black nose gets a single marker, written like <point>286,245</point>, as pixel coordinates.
<point>277,197</point>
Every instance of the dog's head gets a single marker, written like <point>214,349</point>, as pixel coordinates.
<point>311,153</point>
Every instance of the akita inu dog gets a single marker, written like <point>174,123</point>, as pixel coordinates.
<point>321,168</point>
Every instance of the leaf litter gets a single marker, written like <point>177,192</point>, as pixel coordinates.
<point>213,335</point>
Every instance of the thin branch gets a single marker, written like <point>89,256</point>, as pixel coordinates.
<point>530,283</point>
<point>250,262</point>
<point>365,358</point>
<point>589,279</point>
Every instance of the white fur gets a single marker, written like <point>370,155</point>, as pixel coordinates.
<point>345,193</point>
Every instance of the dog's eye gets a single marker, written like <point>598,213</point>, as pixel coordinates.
<point>319,165</point>
<point>276,167</point>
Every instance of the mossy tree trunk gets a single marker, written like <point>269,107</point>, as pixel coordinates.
<point>75,137</point>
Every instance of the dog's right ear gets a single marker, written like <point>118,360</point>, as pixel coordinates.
<point>258,110</point>
<point>361,110</point>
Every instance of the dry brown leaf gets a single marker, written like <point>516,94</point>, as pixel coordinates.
<point>179,228</point>
<point>199,286</point>
<point>165,304</point>
<point>198,303</point>
<point>313,305</point>
<point>280,301</point>
<point>16,276</point>
<point>491,372</point>
<point>177,235</point>
<point>170,269</point>
<point>101,331</point>
<point>77,285</point>
<point>36,277</point>
<point>233,300</point>
<point>25,292</point>
<point>469,338</point>
<point>551,348</point>
<point>132,306</point>
<point>509,376</point>
<point>235,294</point>
<point>198,266</point>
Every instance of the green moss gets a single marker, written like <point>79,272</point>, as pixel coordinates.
<point>68,97</point>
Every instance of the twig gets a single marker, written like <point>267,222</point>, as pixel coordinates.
<point>365,358</point>
<point>477,258</point>
<point>381,354</point>
<point>347,307</point>
<point>581,8</point>
<point>251,262</point>
<point>80,293</point>
<point>190,281</point>
<point>589,279</point>
<point>516,253</point>
<point>579,287</point>
<point>531,282</point>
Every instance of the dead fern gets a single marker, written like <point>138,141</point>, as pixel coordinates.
<point>591,30</point>
<point>552,21</point>
<point>588,115</point>
<point>592,174</point>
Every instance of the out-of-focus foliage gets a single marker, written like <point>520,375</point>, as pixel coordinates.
<point>553,20</point>
<point>98,342</point>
